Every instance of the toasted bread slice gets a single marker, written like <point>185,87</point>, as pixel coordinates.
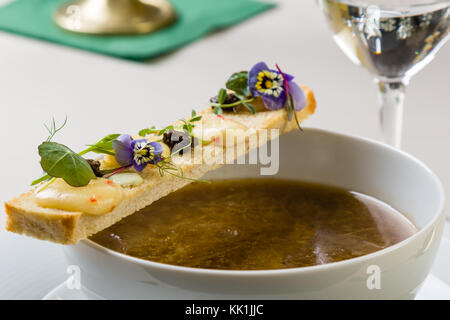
<point>25,216</point>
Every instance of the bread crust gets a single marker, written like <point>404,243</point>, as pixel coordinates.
<point>24,216</point>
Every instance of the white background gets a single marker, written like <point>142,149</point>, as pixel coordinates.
<point>101,95</point>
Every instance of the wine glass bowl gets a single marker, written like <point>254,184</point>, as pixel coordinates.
<point>393,40</point>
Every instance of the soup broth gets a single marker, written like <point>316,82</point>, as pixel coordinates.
<point>256,224</point>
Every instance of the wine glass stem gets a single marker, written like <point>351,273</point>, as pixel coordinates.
<point>391,96</point>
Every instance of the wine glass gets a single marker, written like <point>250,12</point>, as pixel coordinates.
<point>393,39</point>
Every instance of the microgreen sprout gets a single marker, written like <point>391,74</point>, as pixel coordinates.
<point>52,129</point>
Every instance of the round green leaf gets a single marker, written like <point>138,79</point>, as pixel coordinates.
<point>61,162</point>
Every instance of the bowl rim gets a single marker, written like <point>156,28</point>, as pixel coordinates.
<point>438,214</point>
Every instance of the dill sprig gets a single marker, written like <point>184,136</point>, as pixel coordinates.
<point>52,129</point>
<point>170,168</point>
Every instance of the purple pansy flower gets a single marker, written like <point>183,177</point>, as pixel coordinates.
<point>270,85</point>
<point>138,153</point>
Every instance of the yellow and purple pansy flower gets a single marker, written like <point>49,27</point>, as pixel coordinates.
<point>274,87</point>
<point>138,153</point>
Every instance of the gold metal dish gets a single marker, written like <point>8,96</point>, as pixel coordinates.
<point>115,17</point>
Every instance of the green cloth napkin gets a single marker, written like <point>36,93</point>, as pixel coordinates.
<point>196,18</point>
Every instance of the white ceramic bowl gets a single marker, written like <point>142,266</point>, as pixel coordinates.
<point>350,162</point>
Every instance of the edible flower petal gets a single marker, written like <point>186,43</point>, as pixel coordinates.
<point>123,150</point>
<point>145,152</point>
<point>298,95</point>
<point>270,85</point>
<point>253,77</point>
<point>138,153</point>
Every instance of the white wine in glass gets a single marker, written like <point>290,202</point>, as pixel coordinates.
<point>393,39</point>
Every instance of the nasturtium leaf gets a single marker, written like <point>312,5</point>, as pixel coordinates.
<point>238,82</point>
<point>59,161</point>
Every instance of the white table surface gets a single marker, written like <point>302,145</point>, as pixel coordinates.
<point>100,94</point>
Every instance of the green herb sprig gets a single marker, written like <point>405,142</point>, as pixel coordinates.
<point>187,125</point>
<point>52,129</point>
<point>148,131</point>
<point>59,161</point>
<point>103,146</point>
<point>170,168</point>
<point>238,83</point>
